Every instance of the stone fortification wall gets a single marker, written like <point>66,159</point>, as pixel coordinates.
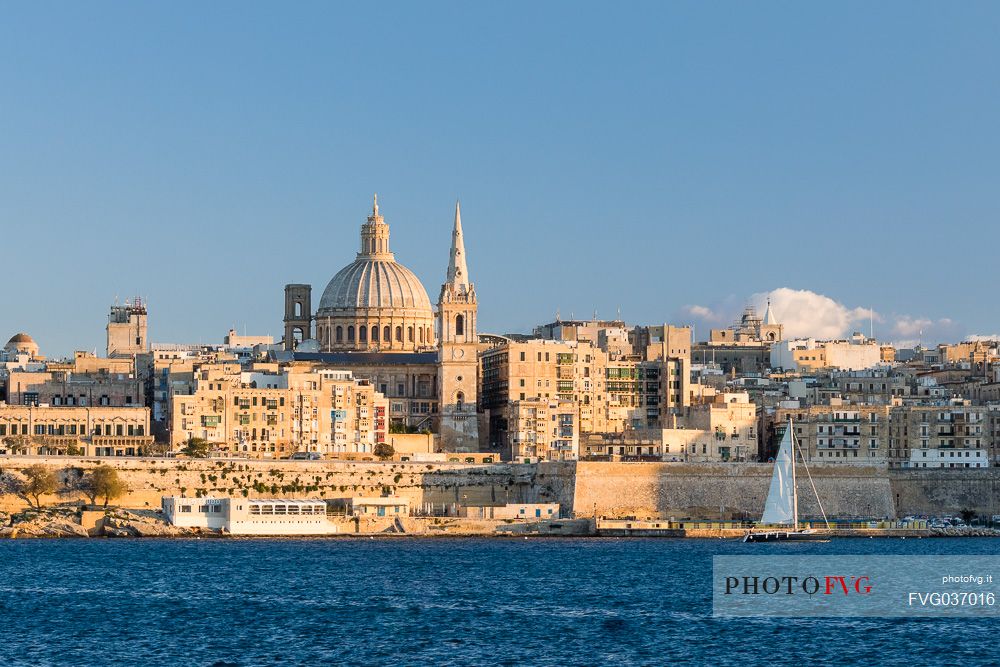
<point>937,492</point>
<point>709,490</point>
<point>585,489</point>
<point>421,483</point>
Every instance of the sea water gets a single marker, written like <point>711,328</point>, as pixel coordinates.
<point>440,601</point>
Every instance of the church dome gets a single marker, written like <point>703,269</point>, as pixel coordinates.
<point>23,343</point>
<point>373,283</point>
<point>375,303</point>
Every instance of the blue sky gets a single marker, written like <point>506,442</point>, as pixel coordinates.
<point>670,159</point>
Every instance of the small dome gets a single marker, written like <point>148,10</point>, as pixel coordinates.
<point>22,343</point>
<point>371,283</point>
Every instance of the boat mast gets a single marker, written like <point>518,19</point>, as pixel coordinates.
<point>795,496</point>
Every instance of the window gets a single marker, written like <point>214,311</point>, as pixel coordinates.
<point>362,334</point>
<point>399,334</point>
<point>459,325</point>
<point>386,335</point>
<point>409,334</point>
<point>350,334</point>
<point>374,334</point>
<point>340,334</point>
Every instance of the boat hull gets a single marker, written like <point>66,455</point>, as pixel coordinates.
<point>787,536</point>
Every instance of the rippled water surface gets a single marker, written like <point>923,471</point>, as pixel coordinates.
<point>433,601</point>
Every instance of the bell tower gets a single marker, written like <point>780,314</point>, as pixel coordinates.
<point>458,361</point>
<point>298,314</point>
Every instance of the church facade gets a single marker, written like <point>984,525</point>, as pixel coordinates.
<point>375,319</point>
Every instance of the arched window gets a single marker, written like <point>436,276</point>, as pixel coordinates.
<point>770,336</point>
<point>386,334</point>
<point>429,336</point>
<point>459,400</point>
<point>350,334</point>
<point>298,309</point>
<point>362,334</point>
<point>421,334</point>
<point>399,334</point>
<point>375,334</point>
<point>409,334</point>
<point>459,325</point>
<point>340,334</point>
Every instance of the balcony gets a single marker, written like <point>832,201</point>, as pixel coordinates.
<point>843,443</point>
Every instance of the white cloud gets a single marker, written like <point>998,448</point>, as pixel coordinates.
<point>702,312</point>
<point>910,331</point>
<point>806,314</point>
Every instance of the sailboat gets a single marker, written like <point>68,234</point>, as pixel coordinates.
<point>782,506</point>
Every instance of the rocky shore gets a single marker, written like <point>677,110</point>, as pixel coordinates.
<point>51,522</point>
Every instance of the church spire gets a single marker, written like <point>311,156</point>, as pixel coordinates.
<point>458,272</point>
<point>769,318</point>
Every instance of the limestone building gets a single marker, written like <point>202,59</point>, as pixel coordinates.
<point>723,429</point>
<point>857,434</point>
<point>272,412</point>
<point>375,319</point>
<point>127,329</point>
<point>616,389</point>
<point>544,429</point>
<point>85,431</point>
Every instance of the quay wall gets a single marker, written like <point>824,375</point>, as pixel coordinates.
<point>722,491</point>
<point>584,489</point>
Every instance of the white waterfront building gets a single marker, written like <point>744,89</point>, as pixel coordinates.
<point>959,457</point>
<point>249,516</point>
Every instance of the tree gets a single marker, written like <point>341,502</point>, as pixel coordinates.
<point>384,451</point>
<point>17,444</point>
<point>968,515</point>
<point>39,480</point>
<point>155,448</point>
<point>103,481</point>
<point>197,448</point>
<point>11,483</point>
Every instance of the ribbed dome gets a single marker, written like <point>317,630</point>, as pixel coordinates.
<point>375,283</point>
<point>20,338</point>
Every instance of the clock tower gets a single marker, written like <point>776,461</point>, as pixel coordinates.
<point>458,361</point>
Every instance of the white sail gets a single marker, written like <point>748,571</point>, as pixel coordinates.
<point>780,506</point>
